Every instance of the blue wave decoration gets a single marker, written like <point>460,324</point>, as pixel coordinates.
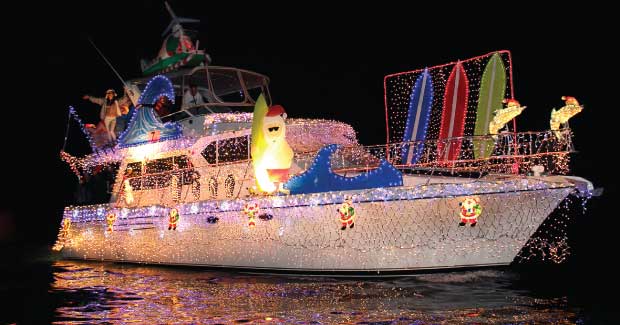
<point>143,123</point>
<point>156,87</point>
<point>420,106</point>
<point>320,177</point>
<point>144,120</point>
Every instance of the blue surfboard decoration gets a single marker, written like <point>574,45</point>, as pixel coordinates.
<point>320,177</point>
<point>420,105</point>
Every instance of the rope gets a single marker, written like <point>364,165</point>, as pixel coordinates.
<point>64,145</point>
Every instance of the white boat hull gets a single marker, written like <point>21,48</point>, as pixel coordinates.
<point>389,235</point>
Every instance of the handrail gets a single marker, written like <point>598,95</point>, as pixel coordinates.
<point>533,148</point>
<point>509,151</point>
<point>530,150</point>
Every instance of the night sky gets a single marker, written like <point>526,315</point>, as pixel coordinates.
<point>323,62</point>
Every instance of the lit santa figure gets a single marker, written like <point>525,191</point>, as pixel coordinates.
<point>251,209</point>
<point>110,219</point>
<point>470,211</point>
<point>271,154</point>
<point>173,219</point>
<point>347,214</point>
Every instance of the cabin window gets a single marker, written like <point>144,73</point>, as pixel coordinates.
<point>134,177</point>
<point>227,150</point>
<point>157,172</point>
<point>226,85</point>
<point>255,85</point>
<point>210,153</point>
<point>200,79</point>
<point>234,149</point>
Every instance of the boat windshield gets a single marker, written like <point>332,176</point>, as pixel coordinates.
<point>210,89</point>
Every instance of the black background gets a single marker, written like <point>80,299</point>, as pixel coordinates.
<point>324,61</point>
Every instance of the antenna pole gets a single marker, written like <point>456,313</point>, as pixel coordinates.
<point>106,61</point>
<point>132,90</point>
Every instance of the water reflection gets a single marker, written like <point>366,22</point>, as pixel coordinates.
<point>103,293</point>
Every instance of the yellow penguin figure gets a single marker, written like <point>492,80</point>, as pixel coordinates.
<point>271,154</point>
<point>505,115</point>
<point>559,117</point>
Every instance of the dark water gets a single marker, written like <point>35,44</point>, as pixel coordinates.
<point>75,292</point>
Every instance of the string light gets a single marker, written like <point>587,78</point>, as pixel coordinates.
<point>398,88</point>
<point>513,210</point>
<point>93,213</point>
<point>90,139</point>
<point>156,87</point>
<point>212,120</point>
<point>63,234</point>
<point>74,164</point>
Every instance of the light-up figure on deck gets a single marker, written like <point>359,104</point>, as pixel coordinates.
<point>110,219</point>
<point>561,116</point>
<point>271,154</point>
<point>470,210</point>
<point>505,115</point>
<point>346,213</point>
<point>251,209</point>
<point>173,219</point>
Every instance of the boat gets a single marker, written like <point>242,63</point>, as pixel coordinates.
<point>190,185</point>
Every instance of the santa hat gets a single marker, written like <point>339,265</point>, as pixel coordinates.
<point>511,102</point>
<point>276,110</point>
<point>570,100</point>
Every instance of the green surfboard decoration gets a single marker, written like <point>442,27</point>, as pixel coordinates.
<point>492,90</point>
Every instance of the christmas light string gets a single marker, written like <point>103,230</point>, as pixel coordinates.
<point>398,86</point>
<point>90,139</point>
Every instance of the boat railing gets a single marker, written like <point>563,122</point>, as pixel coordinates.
<point>506,153</point>
<point>509,154</point>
